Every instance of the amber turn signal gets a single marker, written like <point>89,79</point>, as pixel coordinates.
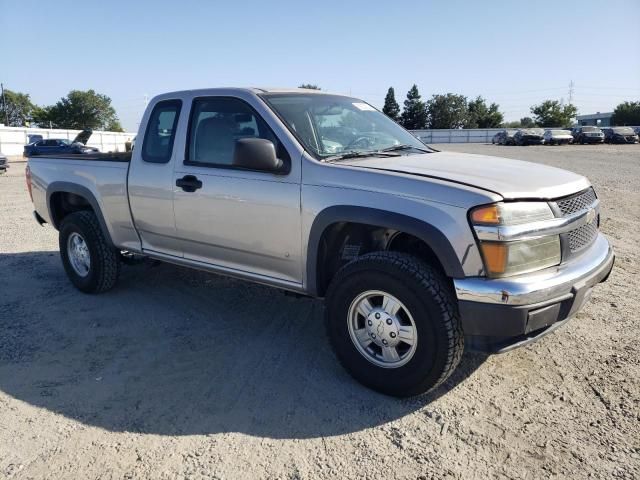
<point>495,257</point>
<point>489,215</point>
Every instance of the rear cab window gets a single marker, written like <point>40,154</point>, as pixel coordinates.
<point>160,135</point>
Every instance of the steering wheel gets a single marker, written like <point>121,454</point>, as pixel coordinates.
<point>364,142</point>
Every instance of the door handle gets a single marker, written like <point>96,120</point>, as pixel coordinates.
<point>189,183</point>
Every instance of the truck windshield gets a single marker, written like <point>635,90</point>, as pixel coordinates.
<point>333,125</point>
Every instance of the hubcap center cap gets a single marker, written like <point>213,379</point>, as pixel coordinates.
<point>382,328</point>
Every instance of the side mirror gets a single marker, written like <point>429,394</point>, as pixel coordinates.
<point>256,154</point>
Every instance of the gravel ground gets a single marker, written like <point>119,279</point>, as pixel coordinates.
<point>180,374</point>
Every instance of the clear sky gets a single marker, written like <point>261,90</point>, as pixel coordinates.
<point>515,53</point>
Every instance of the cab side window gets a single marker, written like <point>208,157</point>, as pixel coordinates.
<point>161,131</point>
<point>215,125</point>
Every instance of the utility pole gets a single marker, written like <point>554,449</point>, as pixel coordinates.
<point>571,87</point>
<point>4,105</point>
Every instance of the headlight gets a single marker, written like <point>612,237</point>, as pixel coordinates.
<point>515,213</point>
<point>505,257</point>
<point>502,259</point>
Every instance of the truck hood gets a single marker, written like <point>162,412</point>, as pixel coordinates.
<point>512,179</point>
<point>83,137</point>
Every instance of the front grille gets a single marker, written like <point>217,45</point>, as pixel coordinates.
<point>582,236</point>
<point>577,202</point>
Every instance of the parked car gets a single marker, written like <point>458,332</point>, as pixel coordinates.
<point>557,137</point>
<point>54,146</point>
<point>4,163</point>
<point>34,137</point>
<point>418,254</point>
<point>620,135</point>
<point>505,137</point>
<point>587,134</point>
<point>529,136</point>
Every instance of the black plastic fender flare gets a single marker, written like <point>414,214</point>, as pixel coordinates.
<point>426,232</point>
<point>81,191</point>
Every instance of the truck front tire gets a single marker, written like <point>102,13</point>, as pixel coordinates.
<point>91,264</point>
<point>393,324</point>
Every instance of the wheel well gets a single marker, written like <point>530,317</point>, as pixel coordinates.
<point>342,242</point>
<point>62,204</point>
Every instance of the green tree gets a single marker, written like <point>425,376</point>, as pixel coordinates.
<point>627,113</point>
<point>19,109</point>
<point>114,126</point>
<point>482,116</point>
<point>391,108</point>
<point>552,113</point>
<point>80,110</point>
<point>527,122</point>
<point>414,115</point>
<point>447,111</point>
<point>310,86</point>
<point>41,117</point>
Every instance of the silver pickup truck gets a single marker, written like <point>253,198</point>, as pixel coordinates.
<point>418,254</point>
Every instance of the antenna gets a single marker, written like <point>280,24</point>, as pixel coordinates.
<point>571,88</point>
<point>4,105</point>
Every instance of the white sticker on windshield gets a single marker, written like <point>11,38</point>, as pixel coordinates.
<point>363,106</point>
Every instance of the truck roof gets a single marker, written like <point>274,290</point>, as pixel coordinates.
<point>254,90</point>
<point>287,90</point>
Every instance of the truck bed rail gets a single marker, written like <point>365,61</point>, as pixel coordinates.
<point>97,157</point>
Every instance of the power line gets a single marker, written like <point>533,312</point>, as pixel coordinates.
<point>609,88</point>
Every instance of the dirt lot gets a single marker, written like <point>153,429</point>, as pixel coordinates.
<point>179,374</point>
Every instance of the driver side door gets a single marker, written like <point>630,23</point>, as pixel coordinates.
<point>238,220</point>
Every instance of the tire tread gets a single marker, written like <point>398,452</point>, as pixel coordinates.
<point>429,279</point>
<point>109,269</point>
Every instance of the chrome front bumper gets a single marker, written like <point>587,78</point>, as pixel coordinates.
<point>501,314</point>
<point>547,285</point>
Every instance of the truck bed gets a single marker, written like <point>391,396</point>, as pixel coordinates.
<point>101,178</point>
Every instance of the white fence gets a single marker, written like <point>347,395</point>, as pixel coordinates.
<point>13,139</point>
<point>467,135</point>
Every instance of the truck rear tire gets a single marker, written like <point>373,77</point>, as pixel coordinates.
<point>393,323</point>
<point>91,264</point>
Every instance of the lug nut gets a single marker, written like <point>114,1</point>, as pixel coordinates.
<point>384,341</point>
<point>377,316</point>
<point>392,335</point>
<point>373,335</point>
<point>389,322</point>
<point>370,322</point>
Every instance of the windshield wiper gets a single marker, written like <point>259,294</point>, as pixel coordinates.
<point>403,146</point>
<point>347,155</point>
